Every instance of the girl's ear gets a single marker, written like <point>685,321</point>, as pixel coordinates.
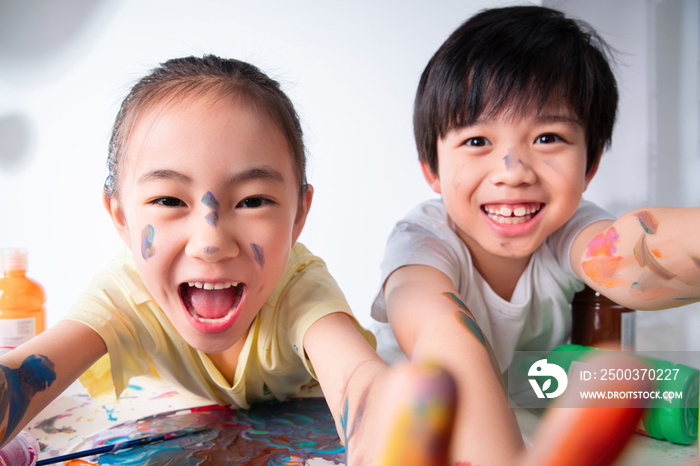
<point>302,212</point>
<point>115,212</point>
<point>431,177</point>
<point>593,170</point>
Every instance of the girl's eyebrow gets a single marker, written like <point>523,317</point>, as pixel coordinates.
<point>264,172</point>
<point>164,174</point>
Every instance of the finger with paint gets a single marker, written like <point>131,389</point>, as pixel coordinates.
<point>422,406</point>
<point>595,432</point>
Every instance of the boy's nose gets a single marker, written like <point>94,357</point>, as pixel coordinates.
<point>211,243</point>
<point>513,169</point>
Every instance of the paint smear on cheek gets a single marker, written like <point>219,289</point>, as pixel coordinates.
<point>259,254</point>
<point>603,263</point>
<point>147,248</point>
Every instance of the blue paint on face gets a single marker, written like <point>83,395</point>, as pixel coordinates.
<point>211,250</point>
<point>259,254</point>
<point>147,248</point>
<point>212,218</point>
<point>36,374</point>
<point>210,201</point>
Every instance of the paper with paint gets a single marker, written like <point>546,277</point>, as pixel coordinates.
<point>300,431</point>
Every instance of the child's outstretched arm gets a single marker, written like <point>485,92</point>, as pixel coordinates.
<point>32,375</point>
<point>432,325</point>
<point>647,259</point>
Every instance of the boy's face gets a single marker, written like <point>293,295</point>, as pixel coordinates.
<point>208,205</point>
<point>508,183</point>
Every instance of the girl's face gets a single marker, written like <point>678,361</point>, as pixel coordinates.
<point>208,205</point>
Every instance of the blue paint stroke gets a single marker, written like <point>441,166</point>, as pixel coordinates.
<point>147,248</point>
<point>210,201</point>
<point>211,250</point>
<point>466,318</point>
<point>259,254</point>
<point>509,159</point>
<point>18,387</point>
<point>212,218</point>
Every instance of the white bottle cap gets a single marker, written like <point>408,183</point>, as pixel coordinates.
<point>14,259</point>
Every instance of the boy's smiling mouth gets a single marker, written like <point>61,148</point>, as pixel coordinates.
<point>512,214</point>
<point>212,306</point>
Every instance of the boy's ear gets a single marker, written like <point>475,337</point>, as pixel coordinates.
<point>302,212</point>
<point>431,177</point>
<point>593,170</point>
<point>115,212</point>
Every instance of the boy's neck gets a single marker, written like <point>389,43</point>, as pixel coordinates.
<point>501,273</point>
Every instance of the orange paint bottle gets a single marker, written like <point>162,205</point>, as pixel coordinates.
<point>22,312</point>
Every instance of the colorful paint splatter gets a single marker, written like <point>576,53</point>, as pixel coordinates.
<point>18,387</point>
<point>603,263</point>
<point>648,222</point>
<point>210,201</point>
<point>272,433</point>
<point>259,254</point>
<point>147,248</point>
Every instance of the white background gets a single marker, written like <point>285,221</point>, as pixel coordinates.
<point>351,68</point>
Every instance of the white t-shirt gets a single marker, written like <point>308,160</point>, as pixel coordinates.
<point>538,316</point>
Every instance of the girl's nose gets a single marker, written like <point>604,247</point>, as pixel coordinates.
<point>513,169</point>
<point>211,242</point>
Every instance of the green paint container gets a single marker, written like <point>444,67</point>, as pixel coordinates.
<point>675,420</point>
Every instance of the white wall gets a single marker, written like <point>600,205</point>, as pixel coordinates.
<point>351,69</point>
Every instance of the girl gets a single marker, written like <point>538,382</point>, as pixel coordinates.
<point>212,293</point>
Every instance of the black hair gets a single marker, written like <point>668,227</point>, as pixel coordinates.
<point>516,59</point>
<point>192,76</point>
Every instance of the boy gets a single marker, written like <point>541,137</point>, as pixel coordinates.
<point>511,117</point>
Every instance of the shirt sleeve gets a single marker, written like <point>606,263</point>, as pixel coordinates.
<point>106,309</point>
<point>423,237</point>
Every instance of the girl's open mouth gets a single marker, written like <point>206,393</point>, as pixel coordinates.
<point>512,214</point>
<point>212,305</point>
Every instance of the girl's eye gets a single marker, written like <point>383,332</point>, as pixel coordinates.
<point>548,139</point>
<point>477,142</point>
<point>169,202</point>
<point>253,202</point>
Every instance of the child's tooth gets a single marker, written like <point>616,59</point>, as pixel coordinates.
<point>190,283</point>
<point>519,211</point>
<point>219,286</point>
<point>208,286</point>
<point>505,211</point>
<point>198,284</point>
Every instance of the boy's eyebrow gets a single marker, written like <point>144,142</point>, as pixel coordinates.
<point>557,119</point>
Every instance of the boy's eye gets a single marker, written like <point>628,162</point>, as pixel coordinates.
<point>169,202</point>
<point>548,139</point>
<point>477,142</point>
<point>253,202</point>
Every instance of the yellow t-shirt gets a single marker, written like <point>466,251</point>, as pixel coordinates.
<point>141,340</point>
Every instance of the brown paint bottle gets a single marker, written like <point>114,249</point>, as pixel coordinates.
<point>597,319</point>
